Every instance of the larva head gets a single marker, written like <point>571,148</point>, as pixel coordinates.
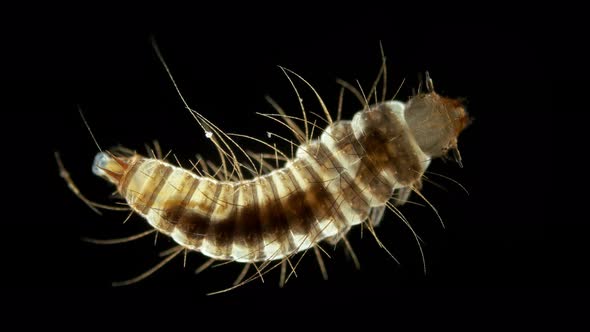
<point>110,167</point>
<point>436,122</point>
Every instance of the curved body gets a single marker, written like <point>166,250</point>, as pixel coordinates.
<point>331,185</point>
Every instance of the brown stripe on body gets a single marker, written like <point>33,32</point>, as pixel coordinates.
<point>175,208</point>
<point>159,177</point>
<point>135,165</point>
<point>367,178</point>
<point>194,222</point>
<point>343,135</point>
<point>221,231</point>
<point>312,204</point>
<point>370,180</point>
<point>349,189</point>
<point>388,143</point>
<point>395,156</point>
<point>324,203</point>
<point>248,229</point>
<point>327,160</point>
<point>299,214</point>
<point>274,220</point>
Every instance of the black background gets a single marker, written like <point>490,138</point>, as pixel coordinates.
<point>502,240</point>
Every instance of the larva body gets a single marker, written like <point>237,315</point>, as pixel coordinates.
<point>331,184</point>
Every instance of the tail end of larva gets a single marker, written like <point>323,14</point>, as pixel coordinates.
<point>109,167</point>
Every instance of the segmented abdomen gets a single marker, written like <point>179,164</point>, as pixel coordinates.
<point>328,187</point>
